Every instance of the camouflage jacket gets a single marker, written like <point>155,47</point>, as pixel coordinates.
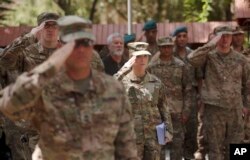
<point>195,73</point>
<point>246,53</point>
<point>96,62</point>
<point>174,75</point>
<point>94,124</point>
<point>10,58</point>
<point>149,105</point>
<point>153,49</point>
<point>227,78</point>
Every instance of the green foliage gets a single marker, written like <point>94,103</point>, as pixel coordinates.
<point>115,11</point>
<point>26,12</point>
<point>197,10</point>
<point>206,8</point>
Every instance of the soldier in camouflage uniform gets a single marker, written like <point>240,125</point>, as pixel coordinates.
<point>237,45</point>
<point>22,54</point>
<point>147,96</point>
<point>150,29</point>
<point>80,113</point>
<point>14,60</point>
<point>238,39</point>
<point>246,52</point>
<point>174,74</point>
<point>181,51</point>
<point>225,92</point>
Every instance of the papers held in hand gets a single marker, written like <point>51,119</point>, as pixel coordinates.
<point>161,132</point>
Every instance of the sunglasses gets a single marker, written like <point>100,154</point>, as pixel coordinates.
<point>51,25</point>
<point>84,42</point>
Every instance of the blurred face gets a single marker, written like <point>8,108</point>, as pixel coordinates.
<point>151,35</point>
<point>117,46</point>
<point>225,41</point>
<point>141,62</point>
<point>50,31</point>
<point>238,40</point>
<point>166,51</point>
<point>81,56</point>
<point>181,39</point>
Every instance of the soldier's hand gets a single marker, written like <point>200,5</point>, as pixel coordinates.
<point>35,31</point>
<point>214,40</point>
<point>184,118</point>
<point>25,89</point>
<point>246,113</point>
<point>169,137</point>
<point>140,37</point>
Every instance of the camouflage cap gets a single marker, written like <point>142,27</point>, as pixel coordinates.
<point>137,46</point>
<point>225,29</point>
<point>74,28</point>
<point>47,16</point>
<point>165,41</point>
<point>140,53</point>
<point>238,30</point>
<point>149,25</point>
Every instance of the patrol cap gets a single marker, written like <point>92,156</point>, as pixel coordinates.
<point>165,41</point>
<point>149,25</point>
<point>238,30</point>
<point>75,28</point>
<point>129,38</point>
<point>137,46</point>
<point>179,30</point>
<point>140,53</point>
<point>46,17</point>
<point>224,29</point>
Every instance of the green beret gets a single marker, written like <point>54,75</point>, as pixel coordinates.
<point>46,16</point>
<point>224,29</point>
<point>129,38</point>
<point>74,28</point>
<point>179,30</point>
<point>149,25</point>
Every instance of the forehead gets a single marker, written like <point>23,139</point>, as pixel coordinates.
<point>151,30</point>
<point>167,46</point>
<point>117,39</point>
<point>182,34</point>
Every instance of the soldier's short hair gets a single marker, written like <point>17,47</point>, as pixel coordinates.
<point>47,16</point>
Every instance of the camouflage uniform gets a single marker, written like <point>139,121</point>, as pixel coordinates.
<point>246,52</point>
<point>149,109</point>
<point>190,141</point>
<point>20,56</point>
<point>153,49</point>
<point>224,92</point>
<point>74,124</point>
<point>9,61</point>
<point>174,75</point>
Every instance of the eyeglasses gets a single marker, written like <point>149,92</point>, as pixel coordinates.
<point>51,25</point>
<point>84,42</point>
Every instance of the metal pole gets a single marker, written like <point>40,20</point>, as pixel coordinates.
<point>129,17</point>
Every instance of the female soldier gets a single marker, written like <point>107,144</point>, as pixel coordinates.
<point>146,94</point>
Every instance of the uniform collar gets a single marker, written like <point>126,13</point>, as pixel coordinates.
<point>96,84</point>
